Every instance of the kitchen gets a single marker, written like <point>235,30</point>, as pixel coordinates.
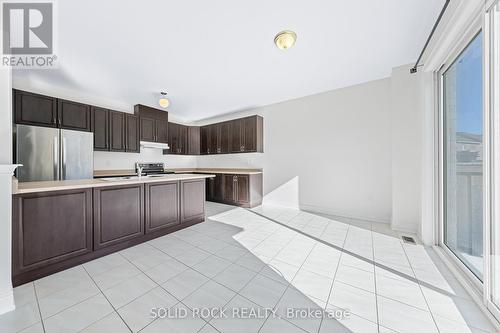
<point>261,167</point>
<point>55,142</point>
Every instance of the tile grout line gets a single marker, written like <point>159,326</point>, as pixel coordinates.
<point>75,304</point>
<point>420,287</point>
<point>375,281</point>
<point>102,293</point>
<point>333,281</point>
<point>289,283</point>
<point>38,306</point>
<point>256,274</point>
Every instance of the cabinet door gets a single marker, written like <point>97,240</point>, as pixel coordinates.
<point>173,135</point>
<point>74,116</point>
<point>242,190</point>
<point>162,131</point>
<point>209,189</point>
<point>192,200</point>
<point>224,139</point>
<point>214,139</point>
<point>118,214</point>
<point>162,205</point>
<point>148,129</point>
<point>100,127</point>
<point>193,140</point>
<point>236,130</point>
<point>117,131</point>
<point>50,227</point>
<point>218,187</point>
<point>229,185</point>
<point>249,134</point>
<point>132,134</point>
<point>205,140</point>
<point>183,137</point>
<point>34,109</point>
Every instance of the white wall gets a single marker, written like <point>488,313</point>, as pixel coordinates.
<point>355,151</point>
<point>5,115</point>
<point>118,161</point>
<point>6,295</point>
<point>406,145</point>
<point>337,143</point>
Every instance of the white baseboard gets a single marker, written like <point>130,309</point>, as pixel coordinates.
<point>327,211</point>
<point>7,303</point>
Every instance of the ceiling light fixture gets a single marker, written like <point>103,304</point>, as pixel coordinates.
<point>285,39</point>
<point>164,102</point>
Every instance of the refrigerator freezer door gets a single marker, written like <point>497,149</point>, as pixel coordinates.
<point>77,155</point>
<point>37,149</point>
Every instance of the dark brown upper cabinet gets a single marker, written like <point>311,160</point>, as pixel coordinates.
<point>100,127</point>
<point>35,109</point>
<point>244,135</point>
<point>247,135</point>
<point>148,129</point>
<point>40,110</point>
<point>193,140</point>
<point>116,131</point>
<point>183,140</point>
<point>132,133</point>
<point>153,123</point>
<point>74,116</point>
<point>205,140</point>
<point>162,131</point>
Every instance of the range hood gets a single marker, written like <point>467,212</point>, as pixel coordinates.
<point>155,145</point>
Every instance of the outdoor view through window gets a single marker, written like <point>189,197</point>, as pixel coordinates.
<point>463,157</point>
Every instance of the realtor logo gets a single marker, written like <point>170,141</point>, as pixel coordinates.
<point>28,37</point>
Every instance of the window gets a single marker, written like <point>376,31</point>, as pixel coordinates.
<point>463,157</point>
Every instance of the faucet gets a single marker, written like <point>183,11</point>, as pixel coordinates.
<point>139,171</point>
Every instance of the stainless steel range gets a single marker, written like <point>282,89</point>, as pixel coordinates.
<point>152,168</point>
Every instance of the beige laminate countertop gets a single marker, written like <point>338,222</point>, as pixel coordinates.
<point>114,173</point>
<point>59,185</point>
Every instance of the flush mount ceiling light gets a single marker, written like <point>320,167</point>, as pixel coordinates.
<point>163,101</point>
<point>285,39</point>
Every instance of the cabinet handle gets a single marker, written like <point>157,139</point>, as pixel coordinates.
<point>54,119</point>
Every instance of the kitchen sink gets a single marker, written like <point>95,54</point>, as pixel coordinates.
<point>119,179</point>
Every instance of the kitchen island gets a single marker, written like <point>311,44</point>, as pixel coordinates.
<point>60,224</point>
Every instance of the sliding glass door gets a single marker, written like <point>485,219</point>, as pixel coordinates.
<point>492,248</point>
<point>462,98</point>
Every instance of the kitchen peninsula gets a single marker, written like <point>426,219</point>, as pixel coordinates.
<point>60,224</point>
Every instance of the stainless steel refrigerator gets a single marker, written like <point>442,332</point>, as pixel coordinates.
<point>53,154</point>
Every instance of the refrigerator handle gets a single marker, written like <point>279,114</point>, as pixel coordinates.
<point>55,147</point>
<point>63,158</point>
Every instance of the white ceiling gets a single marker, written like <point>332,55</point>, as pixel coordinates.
<point>215,57</point>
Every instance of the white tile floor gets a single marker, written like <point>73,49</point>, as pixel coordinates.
<point>238,259</point>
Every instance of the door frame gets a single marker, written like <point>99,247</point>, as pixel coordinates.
<point>476,27</point>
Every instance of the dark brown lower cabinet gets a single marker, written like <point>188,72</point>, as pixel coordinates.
<point>56,230</point>
<point>118,214</point>
<point>214,188</point>
<point>50,227</point>
<point>162,205</point>
<point>243,190</point>
<point>192,200</point>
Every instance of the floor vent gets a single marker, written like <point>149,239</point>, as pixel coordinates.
<point>409,240</point>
